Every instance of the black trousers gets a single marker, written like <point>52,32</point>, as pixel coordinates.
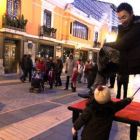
<point>67,81</point>
<point>125,85</point>
<point>58,78</point>
<point>25,74</point>
<point>51,84</point>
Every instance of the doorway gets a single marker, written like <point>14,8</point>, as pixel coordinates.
<point>10,57</point>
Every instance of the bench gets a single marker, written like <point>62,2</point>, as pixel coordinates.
<point>129,115</point>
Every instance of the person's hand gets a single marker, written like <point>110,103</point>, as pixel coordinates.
<point>131,97</point>
<point>73,131</point>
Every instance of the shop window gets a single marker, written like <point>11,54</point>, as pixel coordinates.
<point>47,19</point>
<point>80,30</point>
<point>13,8</point>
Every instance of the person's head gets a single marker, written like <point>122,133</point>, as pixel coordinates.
<point>75,69</point>
<point>51,58</point>
<point>102,94</point>
<point>57,57</point>
<point>125,14</point>
<point>71,56</point>
<point>41,59</point>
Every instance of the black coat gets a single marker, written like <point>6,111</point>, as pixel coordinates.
<point>128,43</point>
<point>97,127</point>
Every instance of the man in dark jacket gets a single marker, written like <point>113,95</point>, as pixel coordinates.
<point>123,55</point>
<point>58,71</point>
<point>28,64</point>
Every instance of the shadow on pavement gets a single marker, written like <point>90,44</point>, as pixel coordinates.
<point>1,106</point>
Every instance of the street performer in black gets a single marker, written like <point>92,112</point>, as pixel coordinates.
<point>123,55</point>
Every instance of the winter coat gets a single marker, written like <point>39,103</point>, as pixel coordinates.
<point>128,43</point>
<point>74,77</point>
<point>22,63</point>
<point>97,119</point>
<point>51,76</point>
<point>70,64</point>
<point>86,71</point>
<point>28,64</point>
<point>58,66</point>
<point>41,66</point>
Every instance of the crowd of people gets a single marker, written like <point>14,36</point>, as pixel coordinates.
<point>51,68</point>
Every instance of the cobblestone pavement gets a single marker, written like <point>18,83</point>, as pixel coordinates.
<point>44,116</point>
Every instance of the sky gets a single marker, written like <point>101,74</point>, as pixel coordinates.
<point>134,3</point>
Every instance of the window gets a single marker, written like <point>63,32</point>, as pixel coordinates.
<point>13,8</point>
<point>96,36</point>
<point>47,19</point>
<point>80,30</point>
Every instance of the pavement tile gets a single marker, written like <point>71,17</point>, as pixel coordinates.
<point>8,118</point>
<point>43,135</point>
<point>55,136</point>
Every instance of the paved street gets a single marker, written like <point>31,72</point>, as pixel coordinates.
<point>44,116</point>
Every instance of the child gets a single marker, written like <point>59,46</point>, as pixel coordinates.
<point>51,77</point>
<point>74,79</point>
<point>98,115</point>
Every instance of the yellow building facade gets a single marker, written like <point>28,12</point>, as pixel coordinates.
<point>46,28</point>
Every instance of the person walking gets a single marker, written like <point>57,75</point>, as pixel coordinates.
<point>86,72</point>
<point>70,64</point>
<point>22,64</point>
<point>98,115</point>
<point>28,64</point>
<point>122,80</point>
<point>51,77</point>
<point>74,79</point>
<point>58,71</point>
<point>80,71</point>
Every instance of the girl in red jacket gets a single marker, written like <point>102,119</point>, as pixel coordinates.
<point>74,79</point>
<point>51,77</point>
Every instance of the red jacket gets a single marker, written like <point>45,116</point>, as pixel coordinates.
<point>86,71</point>
<point>41,66</point>
<point>74,76</point>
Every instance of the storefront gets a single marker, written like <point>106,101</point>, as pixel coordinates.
<point>66,52</point>
<point>11,55</point>
<point>46,51</point>
<point>83,55</point>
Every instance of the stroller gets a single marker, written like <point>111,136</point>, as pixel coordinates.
<point>37,82</point>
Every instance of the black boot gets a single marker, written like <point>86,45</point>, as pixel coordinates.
<point>74,89</point>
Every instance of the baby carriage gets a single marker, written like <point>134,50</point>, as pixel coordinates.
<point>37,82</point>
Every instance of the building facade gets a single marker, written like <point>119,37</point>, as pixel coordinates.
<point>50,28</point>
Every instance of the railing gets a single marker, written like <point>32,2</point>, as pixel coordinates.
<point>48,32</point>
<point>18,24</point>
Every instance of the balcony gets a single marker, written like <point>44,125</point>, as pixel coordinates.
<point>48,32</point>
<point>18,23</point>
